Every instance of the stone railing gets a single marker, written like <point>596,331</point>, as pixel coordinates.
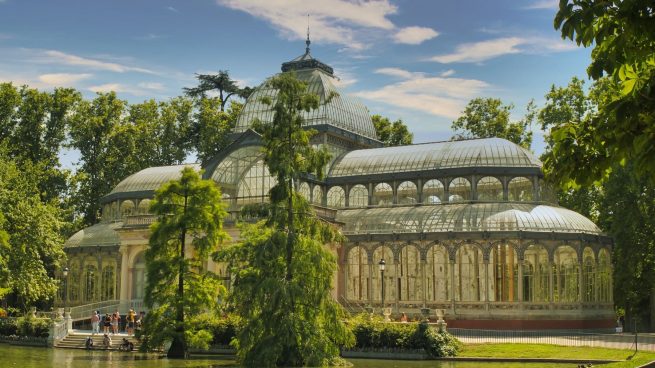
<point>139,220</point>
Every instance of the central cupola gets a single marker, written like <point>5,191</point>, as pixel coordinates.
<point>306,61</point>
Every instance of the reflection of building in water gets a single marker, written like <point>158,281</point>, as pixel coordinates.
<point>465,226</point>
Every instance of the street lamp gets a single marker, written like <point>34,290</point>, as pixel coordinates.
<point>382,264</point>
<point>65,274</point>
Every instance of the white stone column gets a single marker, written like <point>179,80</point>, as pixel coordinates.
<point>124,272</point>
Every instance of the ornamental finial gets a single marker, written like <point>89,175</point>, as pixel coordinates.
<point>307,42</point>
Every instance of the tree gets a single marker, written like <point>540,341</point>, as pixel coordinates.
<point>221,82</point>
<point>282,270</point>
<point>392,134</point>
<point>178,286</point>
<point>214,126</point>
<point>489,117</point>
<point>622,131</point>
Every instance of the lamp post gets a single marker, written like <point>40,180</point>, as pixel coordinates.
<point>65,274</point>
<point>382,264</point>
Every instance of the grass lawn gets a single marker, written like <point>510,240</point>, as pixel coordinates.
<point>554,351</point>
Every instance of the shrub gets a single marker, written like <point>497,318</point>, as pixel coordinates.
<point>33,327</point>
<point>222,329</point>
<point>8,327</point>
<point>372,332</point>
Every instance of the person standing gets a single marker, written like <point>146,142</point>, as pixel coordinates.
<point>114,322</point>
<point>131,316</point>
<point>107,323</point>
<point>95,323</point>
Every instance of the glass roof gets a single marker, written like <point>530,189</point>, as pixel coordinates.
<point>151,178</point>
<point>465,217</point>
<point>101,234</point>
<point>342,111</point>
<point>487,152</point>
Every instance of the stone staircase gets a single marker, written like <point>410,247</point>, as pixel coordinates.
<point>77,340</point>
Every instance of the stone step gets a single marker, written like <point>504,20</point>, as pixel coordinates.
<point>77,340</point>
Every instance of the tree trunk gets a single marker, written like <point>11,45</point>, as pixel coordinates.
<point>178,349</point>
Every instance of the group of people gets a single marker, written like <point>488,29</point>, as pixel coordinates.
<point>126,345</point>
<point>112,322</point>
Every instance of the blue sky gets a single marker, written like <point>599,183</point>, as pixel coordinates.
<point>419,60</point>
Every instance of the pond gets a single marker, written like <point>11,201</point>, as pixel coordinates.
<point>33,357</point>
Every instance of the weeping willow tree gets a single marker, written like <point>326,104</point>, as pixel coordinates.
<point>282,268</point>
<point>188,230</point>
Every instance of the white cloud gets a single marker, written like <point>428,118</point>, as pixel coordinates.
<point>148,37</point>
<point>544,4</point>
<point>481,51</point>
<point>170,8</point>
<point>447,73</point>
<point>118,88</point>
<point>438,96</point>
<point>58,57</point>
<point>62,79</point>
<point>414,35</point>
<point>155,86</point>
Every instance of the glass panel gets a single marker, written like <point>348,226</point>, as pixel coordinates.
<point>74,282</point>
<point>459,190</point>
<point>407,193</point>
<point>336,197</point>
<point>535,274</point>
<point>358,277</point>
<point>604,276</point>
<point>390,291</point>
<point>409,278</point>
<point>90,283</point>
<point>520,189</point>
<point>383,195</point>
<point>108,283</point>
<point>144,207</point>
<point>358,196</point>
<point>588,275</point>
<point>565,269</point>
<point>468,270</point>
<point>504,283</point>
<point>303,190</point>
<point>438,274</point>
<point>433,192</point>
<point>489,189</point>
<point>317,195</point>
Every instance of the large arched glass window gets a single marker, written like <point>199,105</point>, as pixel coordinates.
<point>437,274</point>
<point>358,277</point>
<point>382,195</point>
<point>433,192</point>
<point>489,189</point>
<point>390,283</point>
<point>407,193</point>
<point>535,274</point>
<point>409,287</point>
<point>469,274</point>
<point>317,195</point>
<point>108,283</point>
<point>303,190</point>
<point>358,196</point>
<point>520,189</point>
<point>139,277</point>
<point>459,190</point>
<point>255,184</point>
<point>588,275</point>
<point>565,269</point>
<point>336,197</point>
<point>504,283</point>
<point>127,208</point>
<point>90,283</point>
<point>604,276</point>
<point>144,207</point>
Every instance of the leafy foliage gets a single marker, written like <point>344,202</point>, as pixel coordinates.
<point>222,83</point>
<point>178,286</point>
<point>282,270</point>
<point>392,134</point>
<point>372,333</point>
<point>212,126</point>
<point>489,117</point>
<point>622,131</point>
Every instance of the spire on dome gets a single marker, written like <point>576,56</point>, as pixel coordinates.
<point>306,61</point>
<point>307,42</point>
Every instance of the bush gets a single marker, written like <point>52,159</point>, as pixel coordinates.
<point>8,327</point>
<point>222,329</point>
<point>33,327</point>
<point>376,334</point>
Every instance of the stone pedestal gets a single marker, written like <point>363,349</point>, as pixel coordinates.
<point>69,321</point>
<point>441,324</point>
<point>386,312</point>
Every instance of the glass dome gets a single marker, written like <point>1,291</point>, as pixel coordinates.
<point>487,152</point>
<point>150,179</point>
<point>467,217</point>
<point>342,111</point>
<point>98,235</point>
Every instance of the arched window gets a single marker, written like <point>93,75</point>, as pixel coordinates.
<point>90,283</point>
<point>303,190</point>
<point>255,184</point>
<point>358,277</point>
<point>565,269</point>
<point>390,285</point>
<point>409,287</point>
<point>604,276</point>
<point>459,190</point>
<point>520,189</point>
<point>108,283</point>
<point>144,207</point>
<point>336,197</point>
<point>535,274</point>
<point>358,196</point>
<point>382,195</point>
<point>469,274</point>
<point>588,275</point>
<point>407,193</point>
<point>437,274</point>
<point>489,189</point>
<point>127,208</point>
<point>433,192</point>
<point>504,283</point>
<point>317,195</point>
<point>139,277</point>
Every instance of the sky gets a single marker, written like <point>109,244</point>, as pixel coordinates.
<point>416,60</point>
